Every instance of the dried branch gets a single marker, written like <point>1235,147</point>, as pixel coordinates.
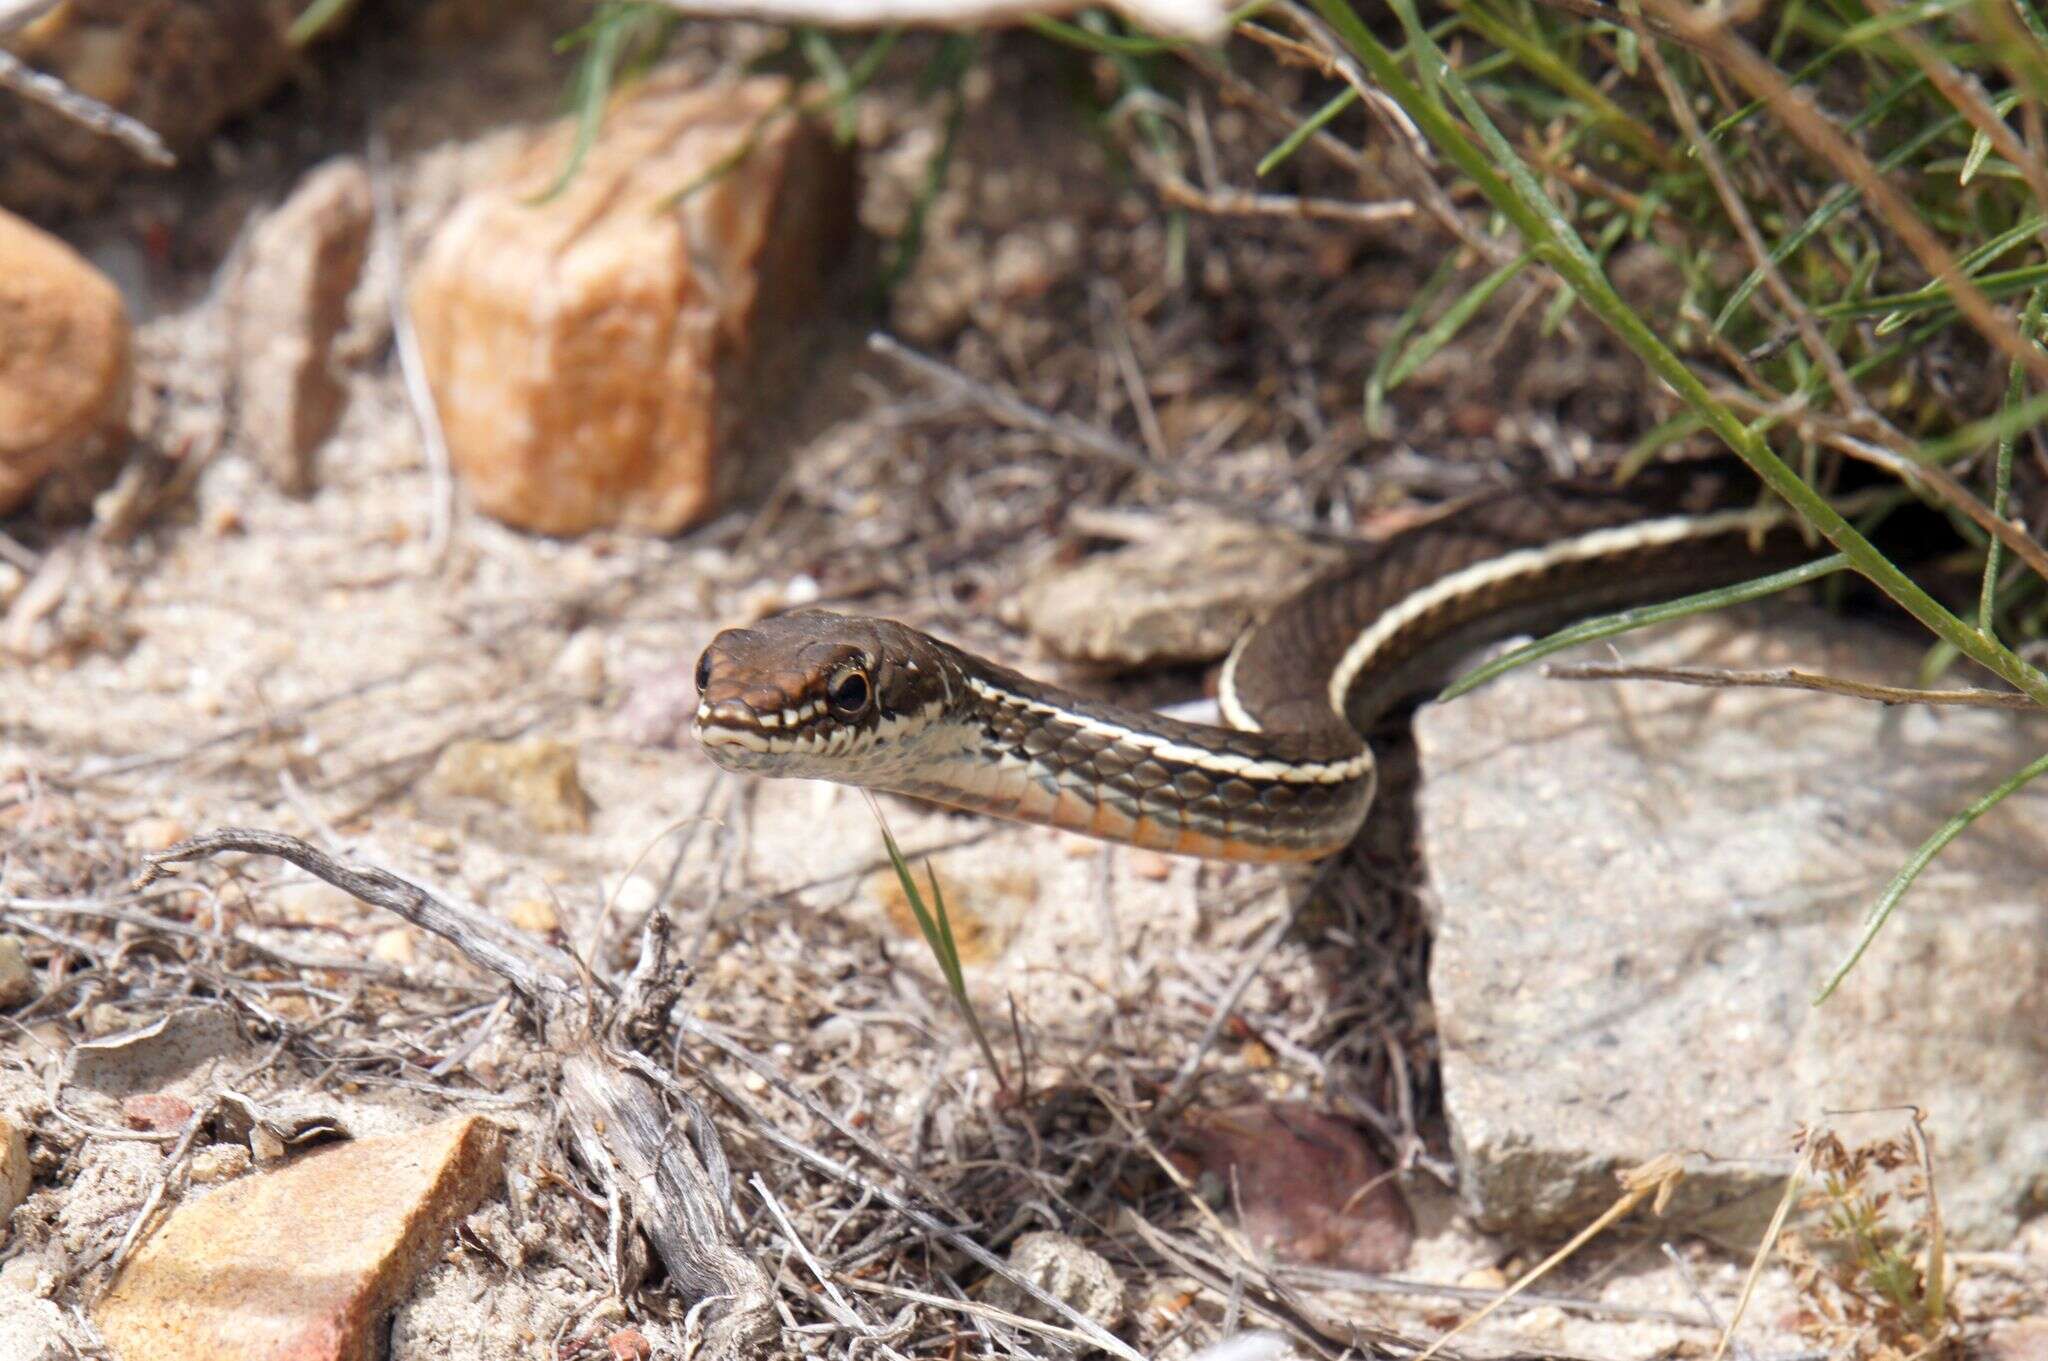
<point>41,88</point>
<point>547,974</point>
<point>412,363</point>
<point>1175,189</point>
<point>679,1191</point>
<point>1787,678</point>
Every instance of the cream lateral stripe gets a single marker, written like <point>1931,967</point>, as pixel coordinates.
<point>1226,688</point>
<point>1530,562</point>
<point>1219,762</point>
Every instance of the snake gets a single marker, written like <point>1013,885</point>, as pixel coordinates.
<point>1290,773</point>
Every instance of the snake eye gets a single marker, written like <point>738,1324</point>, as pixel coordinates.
<point>703,671</point>
<point>849,693</point>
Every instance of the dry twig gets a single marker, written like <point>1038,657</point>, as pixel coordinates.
<point>52,93</point>
<point>1787,678</point>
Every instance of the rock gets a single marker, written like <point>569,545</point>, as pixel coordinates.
<point>17,980</point>
<point>220,1162</point>
<point>535,778</point>
<point>36,1329</point>
<point>178,1051</point>
<point>393,945</point>
<point>302,1262</point>
<point>589,353</point>
<point>1309,1187</point>
<point>290,301</point>
<point>1640,888</point>
<point>159,1111</point>
<point>1184,594</point>
<point>64,369</point>
<point>1066,1269</point>
<point>533,914</point>
<point>14,1170</point>
<point>154,834</point>
<point>628,1344</point>
<point>182,67</point>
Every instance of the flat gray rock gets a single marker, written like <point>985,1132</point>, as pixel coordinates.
<point>1640,886</point>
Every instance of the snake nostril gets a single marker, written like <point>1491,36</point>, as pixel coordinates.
<point>703,671</point>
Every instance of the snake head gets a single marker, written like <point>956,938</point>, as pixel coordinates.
<point>828,696</point>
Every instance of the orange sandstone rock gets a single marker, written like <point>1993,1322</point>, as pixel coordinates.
<point>590,352</point>
<point>63,360</point>
<point>303,1263</point>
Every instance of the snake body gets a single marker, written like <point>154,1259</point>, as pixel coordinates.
<point>875,703</point>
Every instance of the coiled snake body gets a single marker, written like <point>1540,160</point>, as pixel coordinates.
<point>875,703</point>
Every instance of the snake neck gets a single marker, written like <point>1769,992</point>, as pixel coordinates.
<point>1031,752</point>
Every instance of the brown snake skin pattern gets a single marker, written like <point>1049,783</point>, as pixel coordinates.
<point>875,703</point>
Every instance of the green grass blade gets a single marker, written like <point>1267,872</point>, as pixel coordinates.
<point>1307,128</point>
<point>1101,44</point>
<point>1579,93</point>
<point>1501,176</point>
<point>936,925</point>
<point>1654,442</point>
<point>1881,911</point>
<point>595,74</point>
<point>1608,625</point>
<point>315,19</point>
<point>1446,327</point>
<point>1995,428</point>
<point>2001,490</point>
<point>1404,326</point>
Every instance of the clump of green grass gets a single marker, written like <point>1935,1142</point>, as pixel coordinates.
<point>1851,194</point>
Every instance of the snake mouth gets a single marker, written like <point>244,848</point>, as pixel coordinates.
<point>803,739</point>
<point>738,736</point>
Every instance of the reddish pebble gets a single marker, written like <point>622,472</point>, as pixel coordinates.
<point>630,1344</point>
<point>158,1111</point>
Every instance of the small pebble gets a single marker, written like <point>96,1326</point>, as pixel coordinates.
<point>629,1344</point>
<point>1484,1278</point>
<point>15,1174</point>
<point>219,1162</point>
<point>1151,865</point>
<point>533,914</point>
<point>159,1111</point>
<point>634,897</point>
<point>580,663</point>
<point>154,834</point>
<point>17,980</point>
<point>104,1018</point>
<point>393,945</point>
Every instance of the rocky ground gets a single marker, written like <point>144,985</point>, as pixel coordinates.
<point>1311,1113</point>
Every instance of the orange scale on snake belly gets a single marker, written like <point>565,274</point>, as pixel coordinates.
<point>1037,803</point>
